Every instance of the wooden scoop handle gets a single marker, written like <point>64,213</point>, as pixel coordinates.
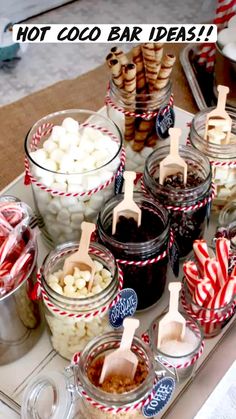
<point>130,325</point>
<point>129,178</point>
<point>222,96</point>
<point>87,229</point>
<point>174,288</point>
<point>175,134</point>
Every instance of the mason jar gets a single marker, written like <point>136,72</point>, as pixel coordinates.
<point>73,321</point>
<point>144,264</point>
<point>64,199</point>
<point>99,404</point>
<point>143,139</point>
<point>189,207</point>
<point>221,156</point>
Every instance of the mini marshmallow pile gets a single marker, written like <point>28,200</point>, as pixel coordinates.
<point>70,335</point>
<point>227,39</point>
<point>68,158</point>
<point>136,160</point>
<point>76,285</point>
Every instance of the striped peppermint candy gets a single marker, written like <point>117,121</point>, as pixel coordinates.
<point>20,264</point>
<point>203,292</point>
<point>201,254</point>
<point>7,245</point>
<point>191,275</point>
<point>225,295</point>
<point>212,272</point>
<point>222,254</point>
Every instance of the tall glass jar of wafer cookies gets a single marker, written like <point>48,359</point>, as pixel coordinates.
<point>222,156</point>
<point>139,90</point>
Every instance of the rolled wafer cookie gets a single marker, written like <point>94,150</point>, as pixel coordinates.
<point>151,140</point>
<point>158,47</point>
<point>165,71</point>
<point>130,88</point>
<point>120,55</point>
<point>140,70</point>
<point>150,64</point>
<point>110,57</point>
<point>141,134</point>
<point>116,71</point>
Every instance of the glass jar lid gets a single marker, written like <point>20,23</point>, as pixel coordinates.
<point>47,396</point>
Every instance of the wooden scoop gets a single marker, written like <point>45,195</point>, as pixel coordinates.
<point>172,325</point>
<point>173,163</point>
<point>122,361</point>
<point>81,258</point>
<point>128,208</point>
<point>218,119</point>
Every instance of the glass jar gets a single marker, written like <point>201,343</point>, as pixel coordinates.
<point>115,405</point>
<point>73,321</point>
<point>20,318</point>
<point>64,199</point>
<point>189,207</point>
<point>144,130</point>
<point>222,157</point>
<point>147,279</point>
<point>186,362</point>
<point>212,321</point>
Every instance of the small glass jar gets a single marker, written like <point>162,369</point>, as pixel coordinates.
<point>184,364</point>
<point>220,156</point>
<point>118,102</point>
<point>64,200</point>
<point>212,321</point>
<point>74,321</point>
<point>148,280</point>
<point>189,207</point>
<point>115,405</point>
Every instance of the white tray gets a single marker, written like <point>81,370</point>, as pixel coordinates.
<point>15,376</point>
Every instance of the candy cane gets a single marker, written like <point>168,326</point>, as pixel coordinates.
<point>201,253</point>
<point>8,243</point>
<point>222,254</point>
<point>224,296</point>
<point>212,271</point>
<point>203,293</point>
<point>20,264</point>
<point>191,275</point>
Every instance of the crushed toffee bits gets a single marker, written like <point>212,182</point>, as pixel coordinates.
<point>116,383</point>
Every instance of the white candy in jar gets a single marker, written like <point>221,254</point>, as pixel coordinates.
<point>71,334</point>
<point>69,162</point>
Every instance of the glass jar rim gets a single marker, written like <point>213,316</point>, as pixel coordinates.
<point>159,352</point>
<point>217,148</point>
<point>104,397</point>
<point>66,112</point>
<point>70,300</point>
<point>141,97</point>
<point>181,148</point>
<point>137,245</point>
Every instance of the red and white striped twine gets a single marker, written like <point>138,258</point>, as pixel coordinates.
<point>144,115</point>
<point>112,409</point>
<point>185,208</point>
<point>215,317</point>
<point>146,339</point>
<point>95,313</point>
<point>44,130</point>
<point>156,259</point>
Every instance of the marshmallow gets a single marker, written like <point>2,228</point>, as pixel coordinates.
<point>50,165</point>
<point>39,156</point>
<point>57,155</point>
<point>68,201</point>
<point>57,133</point>
<point>70,125</point>
<point>49,145</point>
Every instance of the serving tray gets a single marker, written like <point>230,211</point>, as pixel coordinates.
<point>43,358</point>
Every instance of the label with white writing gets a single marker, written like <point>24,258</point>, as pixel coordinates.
<point>162,394</point>
<point>125,307</point>
<point>165,120</point>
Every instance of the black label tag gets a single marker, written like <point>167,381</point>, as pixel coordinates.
<point>165,120</point>
<point>174,258</point>
<point>119,182</point>
<point>125,307</point>
<point>162,393</point>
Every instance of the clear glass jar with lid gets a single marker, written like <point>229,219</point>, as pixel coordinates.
<point>221,156</point>
<point>143,138</point>
<point>144,263</point>
<point>74,320</point>
<point>189,206</point>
